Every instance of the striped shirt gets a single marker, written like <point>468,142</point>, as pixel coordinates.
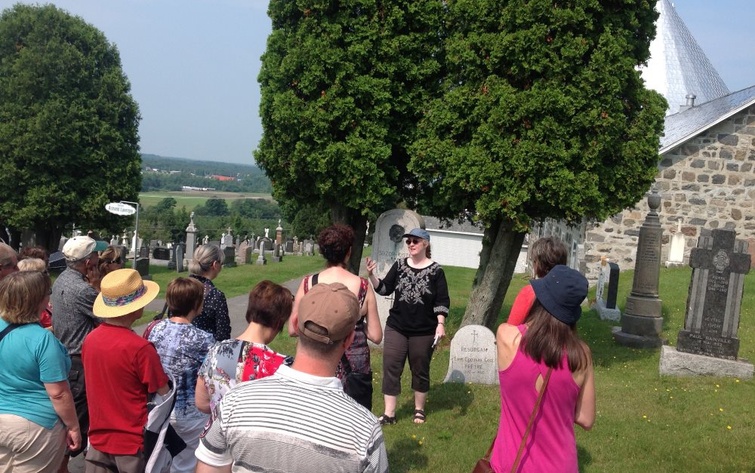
<point>293,422</point>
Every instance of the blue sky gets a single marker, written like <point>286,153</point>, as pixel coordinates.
<point>193,64</point>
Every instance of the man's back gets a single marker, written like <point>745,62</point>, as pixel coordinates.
<point>72,318</point>
<point>294,422</point>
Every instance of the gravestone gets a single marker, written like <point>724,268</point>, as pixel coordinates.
<point>309,247</point>
<point>719,264</point>
<point>246,254</point>
<point>226,239</point>
<point>676,249</point>
<point>473,356</point>
<point>241,253</point>
<point>191,244</point>
<point>642,321</point>
<point>261,260</point>
<point>289,246</point>
<point>606,291</point>
<point>161,253</point>
<point>142,266</point>
<point>144,252</point>
<point>229,256</point>
<point>388,246</point>
<point>172,260</point>
<point>179,249</point>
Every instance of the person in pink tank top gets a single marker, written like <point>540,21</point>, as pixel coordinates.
<point>526,352</point>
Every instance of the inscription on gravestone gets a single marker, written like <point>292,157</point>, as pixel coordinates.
<point>473,356</point>
<point>719,264</point>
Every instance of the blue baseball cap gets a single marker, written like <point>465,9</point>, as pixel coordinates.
<point>419,233</point>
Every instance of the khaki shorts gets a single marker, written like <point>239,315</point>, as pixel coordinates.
<point>29,447</point>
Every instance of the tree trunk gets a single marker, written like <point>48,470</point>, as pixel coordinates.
<point>358,222</point>
<point>500,250</point>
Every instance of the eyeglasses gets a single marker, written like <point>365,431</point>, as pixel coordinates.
<point>116,261</point>
<point>412,241</point>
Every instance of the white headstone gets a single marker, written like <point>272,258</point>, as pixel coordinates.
<point>473,356</point>
<point>676,250</point>
<point>603,276</point>
<point>388,246</point>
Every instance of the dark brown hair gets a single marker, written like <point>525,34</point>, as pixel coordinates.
<point>33,252</point>
<point>335,243</point>
<point>184,295</point>
<point>547,339</point>
<point>269,305</point>
<point>546,253</point>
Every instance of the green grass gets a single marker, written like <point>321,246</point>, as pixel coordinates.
<point>645,422</point>
<point>193,198</point>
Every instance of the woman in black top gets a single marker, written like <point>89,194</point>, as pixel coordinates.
<point>206,265</point>
<point>415,322</point>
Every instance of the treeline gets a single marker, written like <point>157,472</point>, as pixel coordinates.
<point>186,172</point>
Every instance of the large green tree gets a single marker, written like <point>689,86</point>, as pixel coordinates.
<point>544,115</point>
<point>343,83</point>
<point>68,124</point>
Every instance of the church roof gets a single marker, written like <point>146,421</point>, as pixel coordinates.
<point>677,65</point>
<point>683,126</point>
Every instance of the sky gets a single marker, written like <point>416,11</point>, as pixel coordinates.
<point>193,64</point>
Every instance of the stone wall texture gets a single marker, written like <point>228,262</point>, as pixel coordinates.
<point>707,183</point>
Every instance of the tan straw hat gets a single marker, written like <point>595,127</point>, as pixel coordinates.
<point>123,292</point>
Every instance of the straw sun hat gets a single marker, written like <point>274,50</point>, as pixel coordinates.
<point>123,292</point>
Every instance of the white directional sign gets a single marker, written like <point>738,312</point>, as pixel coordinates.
<point>119,208</point>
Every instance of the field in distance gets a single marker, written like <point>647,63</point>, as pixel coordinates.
<point>191,199</point>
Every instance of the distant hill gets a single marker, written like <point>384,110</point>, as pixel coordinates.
<point>167,173</point>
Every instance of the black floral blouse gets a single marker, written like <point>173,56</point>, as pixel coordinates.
<point>214,318</point>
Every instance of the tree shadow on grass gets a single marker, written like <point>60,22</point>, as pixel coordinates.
<point>583,458</point>
<point>606,351</point>
<point>406,455</point>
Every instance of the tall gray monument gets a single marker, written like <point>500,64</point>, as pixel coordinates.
<point>642,321</point>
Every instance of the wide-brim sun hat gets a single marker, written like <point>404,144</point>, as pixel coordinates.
<point>561,293</point>
<point>123,291</point>
<point>419,233</point>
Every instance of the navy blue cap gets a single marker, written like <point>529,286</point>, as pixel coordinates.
<point>419,233</point>
<point>561,293</point>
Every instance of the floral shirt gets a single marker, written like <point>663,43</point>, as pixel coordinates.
<point>182,349</point>
<point>214,317</point>
<point>233,361</point>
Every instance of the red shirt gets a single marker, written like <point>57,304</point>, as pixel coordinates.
<point>522,305</point>
<point>121,369</point>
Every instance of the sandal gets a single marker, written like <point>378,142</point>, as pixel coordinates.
<point>419,416</point>
<point>387,420</point>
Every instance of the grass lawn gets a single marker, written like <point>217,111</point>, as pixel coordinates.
<point>645,422</point>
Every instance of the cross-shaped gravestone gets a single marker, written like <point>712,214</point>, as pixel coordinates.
<point>719,264</point>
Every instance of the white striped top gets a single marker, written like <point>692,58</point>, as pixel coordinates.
<point>293,422</point>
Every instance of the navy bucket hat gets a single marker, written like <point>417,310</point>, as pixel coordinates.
<point>561,293</point>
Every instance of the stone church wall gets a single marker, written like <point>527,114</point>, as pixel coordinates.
<point>707,183</point>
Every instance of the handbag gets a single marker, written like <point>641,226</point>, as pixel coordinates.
<point>357,385</point>
<point>483,464</point>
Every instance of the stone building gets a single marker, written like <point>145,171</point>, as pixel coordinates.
<point>706,176</point>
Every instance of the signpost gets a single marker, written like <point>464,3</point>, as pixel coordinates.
<point>126,208</point>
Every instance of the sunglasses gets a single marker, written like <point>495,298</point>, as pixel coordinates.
<point>412,241</point>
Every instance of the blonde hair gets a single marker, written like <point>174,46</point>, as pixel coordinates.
<point>21,293</point>
<point>32,264</point>
<point>204,256</point>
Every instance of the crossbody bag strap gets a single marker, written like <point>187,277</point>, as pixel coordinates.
<point>7,330</point>
<point>515,467</point>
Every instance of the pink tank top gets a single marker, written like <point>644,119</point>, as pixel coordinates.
<point>551,445</point>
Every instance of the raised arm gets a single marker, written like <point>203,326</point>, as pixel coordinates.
<point>374,328</point>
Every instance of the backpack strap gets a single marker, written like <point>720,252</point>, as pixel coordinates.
<point>8,329</point>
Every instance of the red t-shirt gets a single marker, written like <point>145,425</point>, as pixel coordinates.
<point>121,368</point>
<point>522,305</point>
